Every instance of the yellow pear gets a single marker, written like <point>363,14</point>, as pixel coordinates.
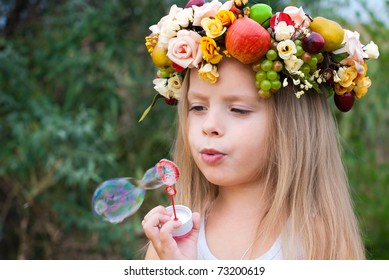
<point>160,58</point>
<point>331,31</point>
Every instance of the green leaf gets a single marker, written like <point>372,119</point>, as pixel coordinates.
<point>156,97</point>
<point>339,57</point>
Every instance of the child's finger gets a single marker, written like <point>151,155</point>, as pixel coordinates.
<point>158,209</point>
<point>153,224</point>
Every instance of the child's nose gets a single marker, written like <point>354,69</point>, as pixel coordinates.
<point>213,124</point>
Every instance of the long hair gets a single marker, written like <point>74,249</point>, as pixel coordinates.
<point>305,176</point>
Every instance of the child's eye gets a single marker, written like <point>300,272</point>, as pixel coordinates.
<point>197,108</point>
<point>240,111</point>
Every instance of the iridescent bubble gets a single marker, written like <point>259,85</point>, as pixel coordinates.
<point>117,199</point>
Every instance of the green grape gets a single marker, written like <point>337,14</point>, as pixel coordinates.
<point>305,68</point>
<point>276,85</point>
<point>298,42</point>
<point>266,65</point>
<point>272,75</point>
<point>265,85</point>
<point>258,83</point>
<point>300,51</point>
<point>313,62</point>
<point>271,54</point>
<point>320,57</point>
<point>260,76</point>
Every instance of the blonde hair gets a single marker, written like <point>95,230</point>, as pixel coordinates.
<point>305,175</point>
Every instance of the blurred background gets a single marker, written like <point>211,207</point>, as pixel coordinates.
<point>75,77</point>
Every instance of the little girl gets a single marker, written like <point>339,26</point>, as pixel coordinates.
<point>260,167</point>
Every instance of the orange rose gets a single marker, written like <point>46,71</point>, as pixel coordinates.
<point>347,76</point>
<point>362,87</point>
<point>210,50</point>
<point>208,72</point>
<point>226,17</point>
<point>339,90</point>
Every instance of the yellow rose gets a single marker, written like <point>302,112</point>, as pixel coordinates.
<point>226,17</point>
<point>213,27</point>
<point>210,50</point>
<point>361,87</point>
<point>347,76</point>
<point>208,72</point>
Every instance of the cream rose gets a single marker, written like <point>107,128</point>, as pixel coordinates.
<point>184,49</point>
<point>298,16</point>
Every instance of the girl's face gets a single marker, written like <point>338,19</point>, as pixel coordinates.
<point>228,125</point>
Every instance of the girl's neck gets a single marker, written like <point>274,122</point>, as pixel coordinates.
<point>243,200</point>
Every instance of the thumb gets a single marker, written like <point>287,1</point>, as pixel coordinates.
<point>196,221</point>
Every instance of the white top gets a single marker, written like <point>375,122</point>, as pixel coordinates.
<point>203,252</point>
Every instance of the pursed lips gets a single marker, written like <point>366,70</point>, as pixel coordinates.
<point>211,156</point>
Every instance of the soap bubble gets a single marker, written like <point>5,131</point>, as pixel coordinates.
<point>117,199</point>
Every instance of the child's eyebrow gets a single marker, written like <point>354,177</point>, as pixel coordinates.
<point>197,94</point>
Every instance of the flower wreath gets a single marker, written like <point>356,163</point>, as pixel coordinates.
<point>284,47</point>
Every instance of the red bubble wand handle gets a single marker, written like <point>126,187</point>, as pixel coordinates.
<point>171,191</point>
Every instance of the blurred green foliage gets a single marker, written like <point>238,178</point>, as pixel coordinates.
<point>74,79</point>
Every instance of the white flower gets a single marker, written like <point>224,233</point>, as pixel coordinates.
<point>286,49</point>
<point>285,82</point>
<point>293,64</point>
<point>169,30</point>
<point>174,85</point>
<point>160,85</point>
<point>156,28</point>
<point>283,31</point>
<point>299,93</point>
<point>296,82</point>
<point>371,50</point>
<point>184,17</point>
<point>207,10</point>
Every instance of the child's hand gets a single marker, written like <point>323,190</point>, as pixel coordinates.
<point>158,227</point>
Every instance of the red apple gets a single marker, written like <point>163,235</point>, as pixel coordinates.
<point>247,40</point>
<point>313,42</point>
<point>344,102</point>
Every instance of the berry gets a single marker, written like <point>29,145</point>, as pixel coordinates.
<point>171,101</point>
<point>277,66</point>
<point>272,75</point>
<point>344,102</point>
<point>260,76</point>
